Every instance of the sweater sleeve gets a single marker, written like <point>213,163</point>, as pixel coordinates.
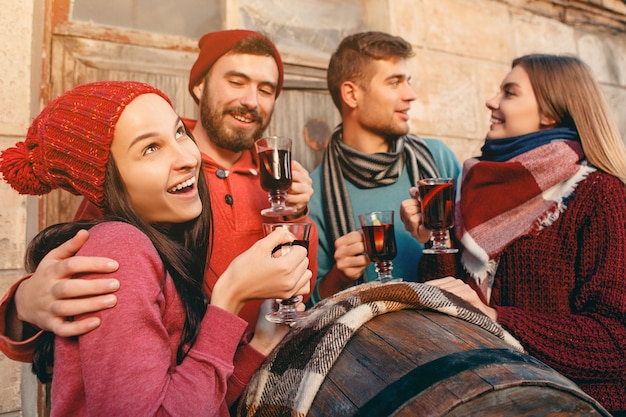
<point>247,361</point>
<point>589,343</point>
<point>127,365</point>
<point>17,350</point>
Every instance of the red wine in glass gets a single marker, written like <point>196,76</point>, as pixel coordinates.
<point>274,154</point>
<point>437,200</point>
<point>275,169</point>
<point>380,242</point>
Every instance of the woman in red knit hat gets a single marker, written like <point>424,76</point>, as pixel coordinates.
<point>164,349</point>
<point>541,223</point>
<point>235,80</point>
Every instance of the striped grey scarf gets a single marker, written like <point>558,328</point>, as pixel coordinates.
<point>341,162</point>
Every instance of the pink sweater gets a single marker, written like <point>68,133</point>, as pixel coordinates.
<point>127,366</point>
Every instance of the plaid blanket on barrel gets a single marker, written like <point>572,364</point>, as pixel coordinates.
<point>288,380</point>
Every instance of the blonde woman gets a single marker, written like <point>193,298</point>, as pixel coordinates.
<point>541,220</point>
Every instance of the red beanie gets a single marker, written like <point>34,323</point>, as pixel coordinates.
<point>214,45</point>
<point>67,145</point>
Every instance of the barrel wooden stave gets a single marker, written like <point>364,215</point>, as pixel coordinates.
<point>364,374</point>
<point>390,346</point>
<point>502,390</point>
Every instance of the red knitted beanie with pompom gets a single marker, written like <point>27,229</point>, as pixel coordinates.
<point>67,145</point>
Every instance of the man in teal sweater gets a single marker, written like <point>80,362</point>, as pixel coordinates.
<point>371,161</point>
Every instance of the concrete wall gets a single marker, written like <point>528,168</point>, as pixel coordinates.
<point>464,49</point>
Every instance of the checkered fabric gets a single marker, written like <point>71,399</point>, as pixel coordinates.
<point>287,382</point>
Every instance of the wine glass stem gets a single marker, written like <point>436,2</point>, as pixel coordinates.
<point>277,197</point>
<point>440,238</point>
<point>384,268</point>
<point>287,307</point>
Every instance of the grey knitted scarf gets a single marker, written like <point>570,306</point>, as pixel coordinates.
<point>341,162</point>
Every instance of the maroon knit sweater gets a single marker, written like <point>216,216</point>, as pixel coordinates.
<point>562,292</point>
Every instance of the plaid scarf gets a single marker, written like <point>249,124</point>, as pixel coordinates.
<point>342,162</point>
<point>288,380</point>
<point>519,186</point>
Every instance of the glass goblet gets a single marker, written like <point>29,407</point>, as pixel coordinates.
<point>437,200</point>
<point>287,312</point>
<point>275,171</point>
<point>380,242</point>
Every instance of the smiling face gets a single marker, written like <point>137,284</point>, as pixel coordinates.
<point>514,110</point>
<point>158,162</point>
<point>385,99</point>
<point>237,99</point>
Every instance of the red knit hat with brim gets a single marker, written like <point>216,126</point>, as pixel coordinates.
<point>68,144</point>
<point>214,45</point>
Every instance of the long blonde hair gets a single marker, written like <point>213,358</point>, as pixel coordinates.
<point>567,92</point>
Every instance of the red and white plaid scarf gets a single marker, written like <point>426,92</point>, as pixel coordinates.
<point>499,202</point>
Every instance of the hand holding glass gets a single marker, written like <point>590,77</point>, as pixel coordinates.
<point>380,242</point>
<point>287,312</point>
<point>437,200</point>
<point>275,170</point>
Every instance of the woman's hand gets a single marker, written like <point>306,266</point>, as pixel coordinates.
<point>257,275</point>
<point>464,291</point>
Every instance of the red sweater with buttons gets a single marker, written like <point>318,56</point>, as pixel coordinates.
<point>562,292</point>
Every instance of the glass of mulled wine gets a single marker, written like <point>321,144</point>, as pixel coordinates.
<point>287,312</point>
<point>275,170</point>
<point>437,201</point>
<point>380,242</point>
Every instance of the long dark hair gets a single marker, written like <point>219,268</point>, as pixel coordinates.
<point>184,249</point>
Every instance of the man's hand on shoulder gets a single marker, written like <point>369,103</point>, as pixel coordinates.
<point>50,298</point>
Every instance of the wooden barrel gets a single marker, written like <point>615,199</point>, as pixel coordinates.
<point>421,363</point>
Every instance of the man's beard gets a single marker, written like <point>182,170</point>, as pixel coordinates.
<point>234,140</point>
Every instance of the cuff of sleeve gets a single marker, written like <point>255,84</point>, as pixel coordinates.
<point>21,351</point>
<point>247,362</point>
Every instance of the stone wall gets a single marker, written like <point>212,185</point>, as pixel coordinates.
<point>464,49</point>
<point>19,96</point>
